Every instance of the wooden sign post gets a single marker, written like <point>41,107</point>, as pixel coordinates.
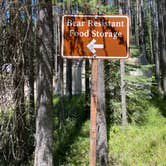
<point>94,37</point>
<point>93,113</point>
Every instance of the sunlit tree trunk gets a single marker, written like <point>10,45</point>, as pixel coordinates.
<point>102,146</point>
<point>122,8</point>
<point>44,119</point>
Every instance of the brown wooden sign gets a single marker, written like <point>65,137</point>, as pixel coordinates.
<point>95,36</point>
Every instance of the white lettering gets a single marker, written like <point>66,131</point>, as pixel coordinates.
<point>90,23</point>
<point>105,23</point>
<point>113,35</point>
<point>75,23</point>
<point>79,34</point>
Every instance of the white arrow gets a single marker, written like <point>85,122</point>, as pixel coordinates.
<point>92,46</point>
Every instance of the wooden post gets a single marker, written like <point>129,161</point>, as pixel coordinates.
<point>93,113</point>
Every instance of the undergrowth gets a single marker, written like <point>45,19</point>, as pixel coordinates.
<point>135,145</point>
<point>141,145</point>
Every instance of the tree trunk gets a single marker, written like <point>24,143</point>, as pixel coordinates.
<point>122,74</point>
<point>129,8</point>
<point>2,13</point>
<point>77,79</point>
<point>44,119</point>
<point>30,55</point>
<point>87,87</point>
<point>141,27</point>
<point>69,78</point>
<point>150,31</point>
<point>161,9</point>
<point>102,146</point>
<point>155,38</point>
<point>69,62</point>
<point>61,113</point>
<point>137,23</point>
<point>123,93</point>
<point>57,62</point>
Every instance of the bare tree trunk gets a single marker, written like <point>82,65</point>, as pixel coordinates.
<point>123,93</point>
<point>155,38</point>
<point>44,119</point>
<point>2,13</point>
<point>102,146</point>
<point>87,87</point>
<point>122,74</point>
<point>142,45</point>
<point>101,126</point>
<point>149,16</point>
<point>56,22</point>
<point>69,77</point>
<point>77,79</point>
<point>30,54</point>
<point>162,47</point>
<point>137,23</point>
<point>61,81</point>
<point>129,8</point>
<point>61,113</point>
<point>69,62</point>
<point>77,72</point>
<point>133,21</point>
<point>58,65</point>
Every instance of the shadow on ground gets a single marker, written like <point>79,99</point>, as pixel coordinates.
<point>65,133</point>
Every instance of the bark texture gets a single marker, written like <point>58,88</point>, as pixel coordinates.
<point>102,146</point>
<point>44,121</point>
<point>162,38</point>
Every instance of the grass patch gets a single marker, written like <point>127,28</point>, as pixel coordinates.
<point>142,145</point>
<point>78,153</point>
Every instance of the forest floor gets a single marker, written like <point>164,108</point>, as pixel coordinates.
<point>138,144</point>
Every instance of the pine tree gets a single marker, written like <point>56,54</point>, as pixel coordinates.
<point>44,119</point>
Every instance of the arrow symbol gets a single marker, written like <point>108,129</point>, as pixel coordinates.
<point>92,46</point>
